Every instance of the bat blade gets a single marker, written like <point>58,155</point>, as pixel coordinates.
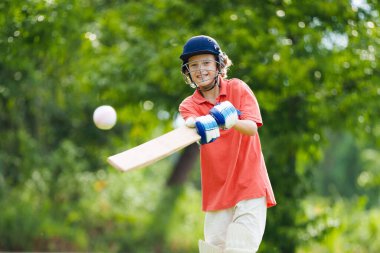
<point>154,150</point>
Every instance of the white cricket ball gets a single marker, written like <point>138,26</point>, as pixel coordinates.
<point>104,117</point>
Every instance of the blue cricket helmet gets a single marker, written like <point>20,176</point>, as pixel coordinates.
<point>201,44</point>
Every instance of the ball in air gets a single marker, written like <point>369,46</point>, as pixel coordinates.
<point>104,117</point>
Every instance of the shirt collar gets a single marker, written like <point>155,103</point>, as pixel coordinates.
<point>199,99</point>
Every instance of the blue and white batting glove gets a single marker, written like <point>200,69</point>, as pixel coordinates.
<point>207,128</point>
<point>225,114</point>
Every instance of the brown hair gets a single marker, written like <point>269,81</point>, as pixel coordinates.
<point>225,64</point>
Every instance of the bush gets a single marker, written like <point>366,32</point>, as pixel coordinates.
<point>340,225</point>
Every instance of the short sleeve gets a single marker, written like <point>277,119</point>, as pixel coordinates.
<point>249,107</point>
<point>187,109</point>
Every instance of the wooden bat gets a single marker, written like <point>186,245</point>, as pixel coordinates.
<point>154,150</point>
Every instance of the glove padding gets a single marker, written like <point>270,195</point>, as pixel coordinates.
<point>225,114</point>
<point>207,128</point>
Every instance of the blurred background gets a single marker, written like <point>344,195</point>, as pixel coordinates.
<point>313,66</point>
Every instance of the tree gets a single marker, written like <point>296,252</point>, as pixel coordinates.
<point>312,65</point>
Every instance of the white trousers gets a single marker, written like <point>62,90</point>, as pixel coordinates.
<point>249,213</point>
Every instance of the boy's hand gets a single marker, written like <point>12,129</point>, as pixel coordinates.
<point>207,128</point>
<point>225,114</point>
<point>190,122</point>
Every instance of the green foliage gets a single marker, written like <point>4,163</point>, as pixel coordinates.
<point>312,65</point>
<point>340,167</point>
<point>100,211</point>
<point>339,225</point>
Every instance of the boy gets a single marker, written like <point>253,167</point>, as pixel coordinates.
<point>236,189</point>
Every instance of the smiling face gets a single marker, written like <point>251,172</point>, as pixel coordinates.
<point>203,69</point>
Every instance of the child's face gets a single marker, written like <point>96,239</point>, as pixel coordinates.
<point>203,69</point>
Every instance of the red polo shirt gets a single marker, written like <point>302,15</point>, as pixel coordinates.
<point>233,166</point>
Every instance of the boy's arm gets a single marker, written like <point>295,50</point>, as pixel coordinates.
<point>245,126</point>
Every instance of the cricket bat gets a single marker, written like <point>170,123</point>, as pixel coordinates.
<point>154,150</point>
